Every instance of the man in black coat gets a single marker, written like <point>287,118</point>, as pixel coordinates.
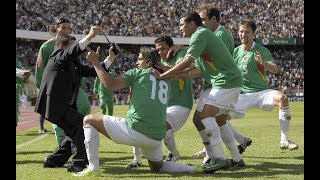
<point>59,88</point>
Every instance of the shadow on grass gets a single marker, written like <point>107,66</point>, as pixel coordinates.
<point>272,158</point>
<point>251,171</point>
<point>115,166</point>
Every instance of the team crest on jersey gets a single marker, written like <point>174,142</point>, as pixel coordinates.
<point>245,58</point>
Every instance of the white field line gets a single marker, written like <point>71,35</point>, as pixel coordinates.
<point>19,146</point>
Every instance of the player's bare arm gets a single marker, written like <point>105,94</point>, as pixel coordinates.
<point>104,77</point>
<point>270,67</point>
<point>177,69</point>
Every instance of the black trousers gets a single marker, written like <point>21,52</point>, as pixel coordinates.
<point>62,153</point>
<point>72,125</point>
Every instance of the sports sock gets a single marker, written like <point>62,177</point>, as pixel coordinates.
<point>237,135</point>
<point>173,167</point>
<point>92,141</point>
<point>229,141</point>
<point>206,143</point>
<point>284,119</point>
<point>170,142</point>
<point>214,135</point>
<point>137,154</point>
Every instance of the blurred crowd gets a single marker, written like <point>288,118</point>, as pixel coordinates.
<point>151,18</point>
<point>274,18</point>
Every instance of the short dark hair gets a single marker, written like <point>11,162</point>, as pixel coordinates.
<point>211,11</point>
<point>166,39</point>
<point>192,16</point>
<point>249,23</point>
<point>61,20</point>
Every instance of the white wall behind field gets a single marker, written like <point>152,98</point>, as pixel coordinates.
<point>99,39</point>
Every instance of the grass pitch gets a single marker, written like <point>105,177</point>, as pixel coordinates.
<point>264,158</point>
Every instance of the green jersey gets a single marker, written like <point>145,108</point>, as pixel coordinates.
<point>181,90</point>
<point>214,60</point>
<point>149,101</point>
<point>254,74</point>
<point>226,37</point>
<point>228,40</point>
<point>44,52</point>
<point>103,91</point>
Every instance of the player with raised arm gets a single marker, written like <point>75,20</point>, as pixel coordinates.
<point>145,124</point>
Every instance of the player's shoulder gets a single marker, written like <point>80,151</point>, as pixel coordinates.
<point>237,48</point>
<point>49,42</point>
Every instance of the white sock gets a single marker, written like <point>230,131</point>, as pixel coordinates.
<point>170,142</point>
<point>173,167</point>
<point>284,119</point>
<point>214,135</point>
<point>237,135</point>
<point>204,149</point>
<point>92,141</point>
<point>137,154</point>
<point>206,143</point>
<point>229,141</point>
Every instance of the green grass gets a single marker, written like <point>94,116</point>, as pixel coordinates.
<point>264,158</point>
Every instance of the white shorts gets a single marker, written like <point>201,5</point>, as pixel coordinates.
<point>262,100</point>
<point>120,133</point>
<point>224,99</point>
<point>177,116</point>
<point>202,98</point>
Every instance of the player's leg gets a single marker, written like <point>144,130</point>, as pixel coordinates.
<point>102,103</point>
<point>218,101</point>
<point>137,157</point>
<point>59,133</point>
<point>83,103</point>
<point>229,140</point>
<point>109,102</point>
<point>152,150</point>
<point>196,120</point>
<point>244,103</point>
<point>281,100</point>
<point>176,118</point>
<point>92,125</point>
<point>42,129</point>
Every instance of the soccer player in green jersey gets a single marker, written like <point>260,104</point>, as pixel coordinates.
<point>210,17</point>
<point>215,63</point>
<point>254,60</point>
<point>145,124</point>
<point>21,79</point>
<point>105,96</point>
<point>179,105</point>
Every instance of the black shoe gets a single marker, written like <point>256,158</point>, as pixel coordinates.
<point>237,164</point>
<point>134,164</point>
<point>76,166</point>
<point>242,147</point>
<point>50,163</point>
